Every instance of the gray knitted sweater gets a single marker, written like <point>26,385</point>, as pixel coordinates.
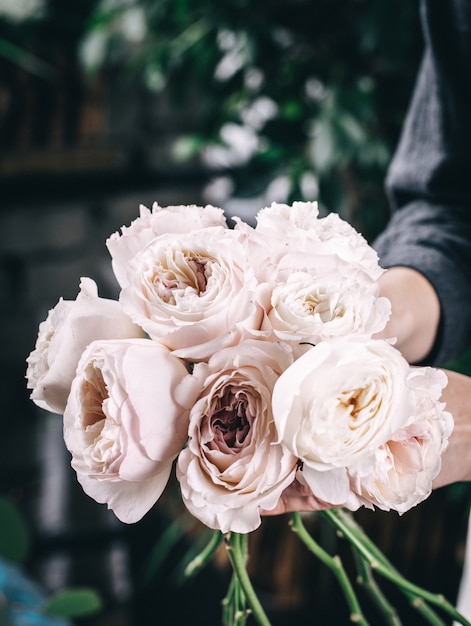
<point>429,181</point>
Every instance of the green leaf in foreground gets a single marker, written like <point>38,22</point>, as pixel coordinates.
<point>73,603</point>
<point>14,536</point>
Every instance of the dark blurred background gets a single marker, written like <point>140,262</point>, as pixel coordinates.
<point>108,104</point>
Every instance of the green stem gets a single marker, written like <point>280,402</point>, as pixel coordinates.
<point>236,545</point>
<point>202,559</point>
<point>366,548</point>
<point>345,523</point>
<point>334,564</point>
<point>228,603</point>
<point>234,612</point>
<point>368,582</point>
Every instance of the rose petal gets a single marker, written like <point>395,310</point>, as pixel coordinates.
<point>129,501</point>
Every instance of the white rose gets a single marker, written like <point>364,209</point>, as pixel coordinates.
<point>191,292</point>
<point>336,405</point>
<point>125,421</point>
<point>312,307</point>
<point>407,464</point>
<point>288,239</point>
<point>282,218</point>
<point>341,238</point>
<point>309,292</point>
<point>162,220</point>
<point>234,464</point>
<point>69,327</point>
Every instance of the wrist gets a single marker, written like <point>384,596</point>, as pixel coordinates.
<point>415,311</point>
<point>456,461</point>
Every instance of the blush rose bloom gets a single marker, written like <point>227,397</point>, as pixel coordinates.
<point>280,218</point>
<point>316,277</point>
<point>124,423</point>
<point>311,307</point>
<point>336,406</point>
<point>69,327</point>
<point>406,465</point>
<point>234,464</point>
<point>190,291</point>
<point>160,221</point>
<point>288,237</point>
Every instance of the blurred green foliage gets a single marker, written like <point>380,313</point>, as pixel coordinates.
<point>34,33</point>
<point>14,535</point>
<point>72,603</point>
<point>21,599</point>
<point>309,93</point>
<point>290,101</point>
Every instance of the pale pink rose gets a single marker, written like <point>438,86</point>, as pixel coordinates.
<point>409,461</point>
<point>191,293</point>
<point>341,238</point>
<point>312,307</point>
<point>234,464</point>
<point>125,421</point>
<point>294,238</point>
<point>69,327</point>
<point>281,218</point>
<point>316,277</point>
<point>162,220</point>
<point>336,405</point>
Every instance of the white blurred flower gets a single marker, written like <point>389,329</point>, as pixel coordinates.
<point>19,10</point>
<point>253,78</point>
<point>235,47</point>
<point>219,189</point>
<point>257,114</point>
<point>241,143</point>
<point>133,24</point>
<point>279,189</point>
<point>92,50</point>
<point>309,186</point>
<point>314,89</point>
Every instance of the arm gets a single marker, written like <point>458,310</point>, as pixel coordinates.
<point>456,461</point>
<point>427,243</point>
<point>429,183</point>
<point>415,311</point>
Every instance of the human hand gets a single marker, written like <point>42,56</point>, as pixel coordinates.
<point>297,497</point>
<point>414,321</point>
<point>415,312</point>
<point>456,460</point>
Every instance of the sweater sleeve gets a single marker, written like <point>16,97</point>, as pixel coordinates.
<point>429,180</point>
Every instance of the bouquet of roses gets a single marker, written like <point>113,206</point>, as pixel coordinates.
<point>245,356</point>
